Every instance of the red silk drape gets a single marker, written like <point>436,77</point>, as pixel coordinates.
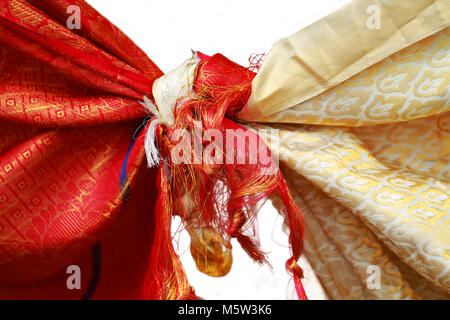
<point>74,187</point>
<point>70,153</point>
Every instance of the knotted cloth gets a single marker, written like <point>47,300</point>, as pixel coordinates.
<point>363,136</point>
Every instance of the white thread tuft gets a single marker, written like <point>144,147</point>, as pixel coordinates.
<point>151,150</point>
<point>167,90</point>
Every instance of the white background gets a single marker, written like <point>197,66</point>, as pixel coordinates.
<point>167,30</point>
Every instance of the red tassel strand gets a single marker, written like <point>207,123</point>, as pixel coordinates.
<point>223,196</point>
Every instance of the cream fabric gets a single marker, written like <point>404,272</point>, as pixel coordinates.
<point>364,141</point>
<point>337,47</point>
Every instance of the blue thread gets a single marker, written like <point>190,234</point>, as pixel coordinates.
<point>123,178</point>
<point>96,270</point>
<point>123,183</point>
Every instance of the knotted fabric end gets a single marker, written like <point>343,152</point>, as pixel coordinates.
<point>218,190</point>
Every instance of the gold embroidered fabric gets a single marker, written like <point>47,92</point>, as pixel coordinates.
<point>412,83</point>
<point>339,46</point>
<point>360,211</point>
<point>364,141</point>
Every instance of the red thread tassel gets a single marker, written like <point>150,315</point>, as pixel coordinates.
<point>166,279</point>
<point>223,196</point>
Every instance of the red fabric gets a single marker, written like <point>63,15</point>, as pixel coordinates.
<point>224,79</point>
<point>68,101</point>
<point>125,249</point>
<point>74,188</point>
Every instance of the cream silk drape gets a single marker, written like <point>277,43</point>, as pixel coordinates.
<point>364,142</point>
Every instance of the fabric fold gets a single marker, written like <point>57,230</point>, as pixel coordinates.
<point>369,171</point>
<point>70,150</point>
<point>337,47</point>
<point>361,102</point>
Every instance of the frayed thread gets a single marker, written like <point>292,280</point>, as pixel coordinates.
<point>151,149</point>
